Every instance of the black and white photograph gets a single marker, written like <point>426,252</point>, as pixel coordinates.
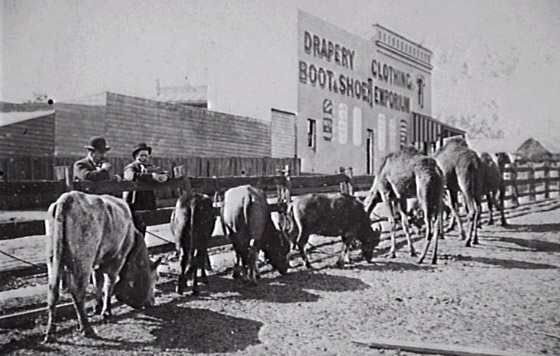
<point>266,177</point>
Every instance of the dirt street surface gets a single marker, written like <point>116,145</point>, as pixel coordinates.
<point>503,294</point>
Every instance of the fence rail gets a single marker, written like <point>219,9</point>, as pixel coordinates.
<point>37,195</point>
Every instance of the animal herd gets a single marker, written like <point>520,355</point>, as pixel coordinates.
<point>93,236</point>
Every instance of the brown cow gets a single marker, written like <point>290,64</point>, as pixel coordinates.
<point>333,215</point>
<point>246,220</point>
<point>192,223</point>
<point>96,233</point>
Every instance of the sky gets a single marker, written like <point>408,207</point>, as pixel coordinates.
<point>493,60</point>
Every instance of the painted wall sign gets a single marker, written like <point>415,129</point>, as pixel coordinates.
<point>342,123</point>
<point>327,119</point>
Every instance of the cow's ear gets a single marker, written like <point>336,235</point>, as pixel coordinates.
<point>156,263</point>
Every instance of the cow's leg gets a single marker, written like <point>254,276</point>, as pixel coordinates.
<point>78,294</point>
<point>98,281</point>
<point>302,240</point>
<point>182,280</point>
<point>252,261</point>
<point>204,262</point>
<point>238,268</point>
<point>53,295</point>
<point>346,242</point>
<point>108,285</point>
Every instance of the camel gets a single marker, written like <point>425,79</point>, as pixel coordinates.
<point>462,172</point>
<point>493,184</point>
<point>502,159</point>
<point>409,174</point>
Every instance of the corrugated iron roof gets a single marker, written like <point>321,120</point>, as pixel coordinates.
<point>10,118</point>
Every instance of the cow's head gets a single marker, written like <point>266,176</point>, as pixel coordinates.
<point>370,239</point>
<point>276,247</point>
<point>138,277</point>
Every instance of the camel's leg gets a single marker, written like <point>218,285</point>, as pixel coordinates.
<point>490,201</point>
<point>436,232</point>
<point>502,205</point>
<point>391,253</point>
<point>401,206</point>
<point>473,219</point>
<point>454,212</point>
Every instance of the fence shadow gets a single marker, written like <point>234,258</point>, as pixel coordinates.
<point>554,227</point>
<point>508,264</point>
<point>534,245</point>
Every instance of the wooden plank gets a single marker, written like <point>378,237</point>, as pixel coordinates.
<point>17,229</point>
<point>31,187</point>
<point>318,181</point>
<point>433,348</point>
<point>108,187</point>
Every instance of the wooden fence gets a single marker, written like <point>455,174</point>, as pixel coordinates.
<point>531,181</point>
<point>43,168</point>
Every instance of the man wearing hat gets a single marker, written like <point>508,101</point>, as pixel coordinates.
<point>93,167</point>
<point>141,169</point>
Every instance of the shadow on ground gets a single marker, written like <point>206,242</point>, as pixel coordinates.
<point>508,264</point>
<point>291,288</point>
<point>554,227</point>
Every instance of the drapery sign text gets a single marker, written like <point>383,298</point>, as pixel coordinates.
<point>348,85</point>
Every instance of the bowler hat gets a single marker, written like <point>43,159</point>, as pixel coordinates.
<point>98,143</point>
<point>140,147</point>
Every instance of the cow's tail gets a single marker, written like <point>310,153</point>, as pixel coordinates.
<point>57,239</point>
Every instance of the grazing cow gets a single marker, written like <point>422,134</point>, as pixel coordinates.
<point>409,174</point>
<point>461,168</point>
<point>332,215</point>
<point>96,232</point>
<point>246,221</point>
<point>493,187</point>
<point>192,223</point>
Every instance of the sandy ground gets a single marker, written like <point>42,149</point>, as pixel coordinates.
<point>503,294</point>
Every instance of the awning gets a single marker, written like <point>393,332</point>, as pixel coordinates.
<point>427,129</point>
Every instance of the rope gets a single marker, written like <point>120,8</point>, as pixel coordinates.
<point>24,261</point>
<point>159,237</point>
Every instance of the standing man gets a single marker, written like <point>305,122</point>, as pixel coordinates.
<point>93,167</point>
<point>142,170</point>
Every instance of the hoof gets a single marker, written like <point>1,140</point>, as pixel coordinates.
<point>413,253</point>
<point>195,292</point>
<point>340,264</point>
<point>390,255</point>
<point>89,332</point>
<point>179,290</point>
<point>47,339</point>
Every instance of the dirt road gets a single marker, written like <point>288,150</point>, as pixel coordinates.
<point>503,294</point>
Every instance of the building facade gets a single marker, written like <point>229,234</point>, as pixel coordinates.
<point>361,98</point>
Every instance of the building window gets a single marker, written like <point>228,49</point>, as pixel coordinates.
<point>312,133</point>
<point>421,84</point>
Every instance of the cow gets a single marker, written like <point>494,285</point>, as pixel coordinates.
<point>95,233</point>
<point>332,215</point>
<point>246,220</point>
<point>192,223</point>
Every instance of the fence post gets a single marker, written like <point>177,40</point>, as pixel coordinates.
<point>62,173</point>
<point>181,172</point>
<point>343,185</point>
<point>532,185</point>
<point>546,180</point>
